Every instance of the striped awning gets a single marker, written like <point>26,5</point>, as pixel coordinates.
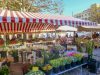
<point>15,21</point>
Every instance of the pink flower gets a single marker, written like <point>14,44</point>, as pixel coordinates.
<point>71,53</point>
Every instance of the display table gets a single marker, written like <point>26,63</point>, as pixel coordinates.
<point>79,66</point>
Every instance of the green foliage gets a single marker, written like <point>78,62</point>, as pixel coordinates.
<point>58,47</point>
<point>78,56</point>
<point>68,60</point>
<point>55,63</point>
<point>61,61</point>
<point>15,53</point>
<point>74,59</point>
<point>35,73</point>
<point>95,13</point>
<point>4,70</point>
<point>54,54</point>
<point>89,48</point>
<point>33,5</point>
<point>39,62</point>
<point>45,56</point>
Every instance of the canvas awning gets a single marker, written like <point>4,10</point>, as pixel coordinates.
<point>66,28</point>
<point>89,28</point>
<point>15,21</point>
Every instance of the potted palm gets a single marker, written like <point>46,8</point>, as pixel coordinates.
<point>92,66</point>
<point>89,49</point>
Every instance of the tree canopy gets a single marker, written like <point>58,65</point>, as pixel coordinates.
<point>52,6</point>
<point>95,14</point>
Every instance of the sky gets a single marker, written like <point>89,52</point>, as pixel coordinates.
<point>77,6</point>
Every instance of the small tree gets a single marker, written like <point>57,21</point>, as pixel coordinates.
<point>95,13</point>
<point>89,48</point>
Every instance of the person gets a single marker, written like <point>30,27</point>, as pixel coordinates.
<point>63,42</point>
<point>76,35</point>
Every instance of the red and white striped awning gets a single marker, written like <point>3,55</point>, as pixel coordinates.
<point>14,21</point>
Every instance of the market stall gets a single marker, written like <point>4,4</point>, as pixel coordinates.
<point>89,28</point>
<point>14,22</point>
<point>66,28</point>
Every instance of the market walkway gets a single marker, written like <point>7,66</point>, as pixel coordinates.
<point>15,69</point>
<point>96,54</point>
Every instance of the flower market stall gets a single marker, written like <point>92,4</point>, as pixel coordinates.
<point>89,28</point>
<point>44,55</point>
<point>66,28</point>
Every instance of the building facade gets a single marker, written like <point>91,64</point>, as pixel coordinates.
<point>86,14</point>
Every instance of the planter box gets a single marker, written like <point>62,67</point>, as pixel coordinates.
<point>67,66</point>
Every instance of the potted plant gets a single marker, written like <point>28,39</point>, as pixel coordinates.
<point>68,62</point>
<point>39,62</point>
<point>89,49</point>
<point>15,55</point>
<point>47,69</point>
<point>35,73</point>
<point>4,70</point>
<point>55,64</point>
<point>62,63</point>
<point>74,60</point>
<point>79,58</point>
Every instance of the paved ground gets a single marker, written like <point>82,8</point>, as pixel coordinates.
<point>15,69</point>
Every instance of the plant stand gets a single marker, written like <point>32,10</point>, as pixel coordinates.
<point>76,67</point>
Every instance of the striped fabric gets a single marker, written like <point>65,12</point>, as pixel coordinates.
<point>15,21</point>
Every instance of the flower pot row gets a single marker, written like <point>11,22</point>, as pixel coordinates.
<point>67,66</point>
<point>61,64</point>
<point>66,63</point>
